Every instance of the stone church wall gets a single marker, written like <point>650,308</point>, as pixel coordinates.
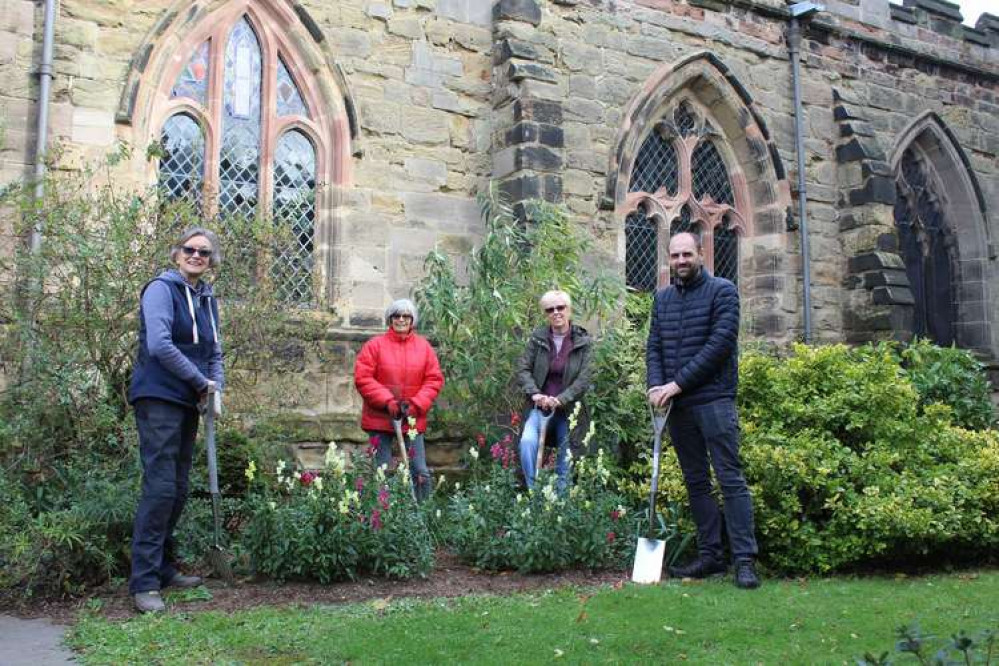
<point>547,98</point>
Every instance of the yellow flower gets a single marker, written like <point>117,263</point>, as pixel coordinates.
<point>250,470</point>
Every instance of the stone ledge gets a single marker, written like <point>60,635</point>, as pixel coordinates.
<point>526,11</point>
<point>859,149</point>
<point>877,189</point>
<point>875,261</point>
<point>942,8</point>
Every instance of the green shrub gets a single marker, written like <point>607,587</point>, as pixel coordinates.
<point>847,471</point>
<point>335,524</point>
<point>480,327</point>
<point>618,399</point>
<point>68,533</point>
<point>496,526</point>
<point>953,377</point>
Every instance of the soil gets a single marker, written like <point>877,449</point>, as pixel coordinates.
<point>450,578</point>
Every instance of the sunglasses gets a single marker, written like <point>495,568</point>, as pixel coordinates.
<point>191,251</point>
<point>555,308</point>
<point>398,315</point>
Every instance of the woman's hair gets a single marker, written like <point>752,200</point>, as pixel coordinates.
<point>401,306</point>
<point>214,261</point>
<point>549,296</point>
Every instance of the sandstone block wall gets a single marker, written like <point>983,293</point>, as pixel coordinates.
<point>537,95</point>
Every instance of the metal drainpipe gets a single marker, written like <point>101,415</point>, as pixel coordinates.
<point>794,50</point>
<point>41,144</point>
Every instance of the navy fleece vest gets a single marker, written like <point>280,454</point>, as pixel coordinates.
<point>149,378</point>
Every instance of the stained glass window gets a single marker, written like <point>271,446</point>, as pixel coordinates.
<point>239,167</point>
<point>289,99</point>
<point>229,122</point>
<point>294,214</point>
<point>183,162</point>
<point>192,82</point>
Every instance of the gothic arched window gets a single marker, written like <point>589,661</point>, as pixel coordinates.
<point>238,138</point>
<point>680,182</point>
<point>926,243</point>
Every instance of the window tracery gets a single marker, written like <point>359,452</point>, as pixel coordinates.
<point>680,177</point>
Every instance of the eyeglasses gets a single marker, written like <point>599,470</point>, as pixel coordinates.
<point>555,308</point>
<point>399,315</point>
<point>191,251</point>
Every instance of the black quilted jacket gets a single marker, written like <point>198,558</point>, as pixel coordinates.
<point>693,339</point>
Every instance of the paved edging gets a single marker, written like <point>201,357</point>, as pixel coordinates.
<point>32,643</point>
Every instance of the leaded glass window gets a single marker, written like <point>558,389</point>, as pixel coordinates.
<point>710,176</point>
<point>700,200</point>
<point>239,162</point>
<point>289,99</point>
<point>182,164</point>
<point>216,108</point>
<point>640,251</point>
<point>193,79</point>
<point>294,213</point>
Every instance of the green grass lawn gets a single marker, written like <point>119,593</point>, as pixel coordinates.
<point>820,621</point>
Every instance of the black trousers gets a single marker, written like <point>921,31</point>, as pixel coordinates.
<point>166,446</point>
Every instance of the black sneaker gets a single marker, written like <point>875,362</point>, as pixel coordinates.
<point>702,567</point>
<point>745,575</point>
<point>149,602</point>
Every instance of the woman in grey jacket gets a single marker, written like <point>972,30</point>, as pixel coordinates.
<point>553,373</point>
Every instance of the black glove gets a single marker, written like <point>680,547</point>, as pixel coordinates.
<point>394,410</point>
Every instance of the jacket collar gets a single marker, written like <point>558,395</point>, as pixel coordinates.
<point>578,335</point>
<point>694,282</point>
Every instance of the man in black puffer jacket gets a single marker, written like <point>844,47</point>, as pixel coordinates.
<point>692,359</point>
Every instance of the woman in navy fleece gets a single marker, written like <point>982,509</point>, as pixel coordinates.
<point>178,367</point>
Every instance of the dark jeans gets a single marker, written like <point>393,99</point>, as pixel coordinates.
<point>166,446</point>
<point>711,431</point>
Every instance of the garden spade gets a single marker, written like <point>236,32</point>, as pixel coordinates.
<point>217,557</point>
<point>403,453</point>
<point>649,552</point>
<point>544,417</point>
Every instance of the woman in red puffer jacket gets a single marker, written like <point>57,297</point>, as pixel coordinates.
<point>398,372</point>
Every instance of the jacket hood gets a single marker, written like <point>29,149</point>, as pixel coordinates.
<point>172,275</point>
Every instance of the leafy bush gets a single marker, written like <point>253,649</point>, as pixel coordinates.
<point>618,397</point>
<point>953,377</point>
<point>68,535</point>
<point>335,524</point>
<point>846,470</point>
<point>495,526</point>
<point>480,327</point>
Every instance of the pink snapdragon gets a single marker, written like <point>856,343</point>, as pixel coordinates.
<point>376,520</point>
<point>383,497</point>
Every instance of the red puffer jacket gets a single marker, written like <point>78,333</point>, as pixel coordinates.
<point>391,367</point>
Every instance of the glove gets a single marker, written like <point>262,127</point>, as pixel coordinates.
<point>211,396</point>
<point>394,410</point>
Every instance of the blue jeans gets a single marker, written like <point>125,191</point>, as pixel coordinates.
<point>418,470</point>
<point>559,425</point>
<point>166,447</point>
<point>711,431</point>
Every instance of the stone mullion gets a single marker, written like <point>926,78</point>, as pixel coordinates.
<point>213,138</point>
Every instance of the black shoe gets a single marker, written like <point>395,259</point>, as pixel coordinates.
<point>745,575</point>
<point>184,582</point>
<point>702,567</point>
